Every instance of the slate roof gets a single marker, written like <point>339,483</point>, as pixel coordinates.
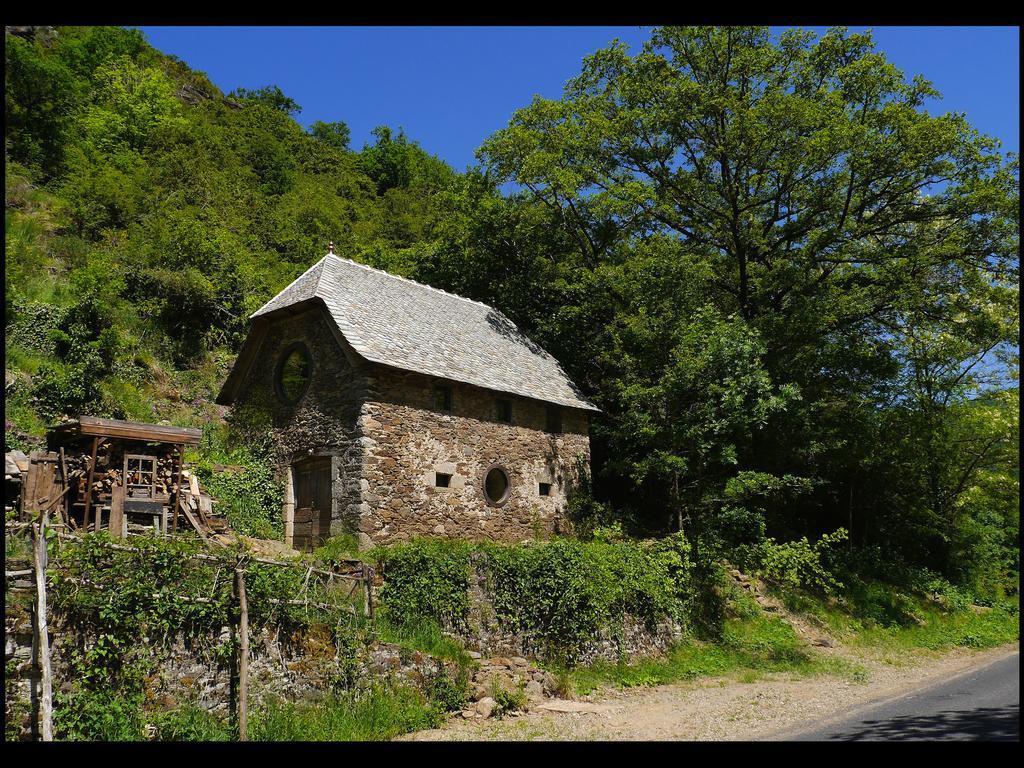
<point>401,323</point>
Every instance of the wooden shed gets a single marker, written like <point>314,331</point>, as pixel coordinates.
<point>109,474</point>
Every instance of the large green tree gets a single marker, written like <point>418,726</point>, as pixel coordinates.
<point>795,185</point>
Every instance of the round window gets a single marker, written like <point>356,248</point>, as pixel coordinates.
<point>293,373</point>
<point>496,486</point>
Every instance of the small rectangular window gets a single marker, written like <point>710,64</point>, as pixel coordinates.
<point>504,410</point>
<point>441,480</point>
<point>443,398</point>
<point>544,489</point>
<point>554,419</point>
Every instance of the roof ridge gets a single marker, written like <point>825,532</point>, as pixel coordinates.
<point>418,284</point>
<point>305,272</point>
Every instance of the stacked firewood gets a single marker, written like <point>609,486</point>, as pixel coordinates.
<point>165,474</point>
<point>109,468</point>
<point>77,467</point>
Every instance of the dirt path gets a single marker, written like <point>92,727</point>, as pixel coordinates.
<point>719,708</point>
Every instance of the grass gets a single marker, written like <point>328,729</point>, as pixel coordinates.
<point>751,647</point>
<point>17,546</point>
<point>192,723</point>
<point>878,616</point>
<point>425,636</point>
<point>377,715</point>
<point>337,549</point>
<point>941,631</point>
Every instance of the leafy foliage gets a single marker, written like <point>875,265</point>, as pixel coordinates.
<point>795,564</point>
<point>792,290</point>
<point>158,590</point>
<point>561,593</point>
<point>245,487</point>
<point>786,269</point>
<point>425,579</point>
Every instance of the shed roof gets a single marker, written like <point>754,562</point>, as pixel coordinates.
<point>94,426</point>
<point>404,324</point>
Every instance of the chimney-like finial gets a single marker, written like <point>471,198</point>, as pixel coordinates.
<point>330,247</point>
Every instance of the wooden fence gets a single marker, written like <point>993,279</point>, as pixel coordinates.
<point>359,574</point>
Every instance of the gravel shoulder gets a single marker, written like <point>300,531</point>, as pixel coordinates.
<point>715,709</point>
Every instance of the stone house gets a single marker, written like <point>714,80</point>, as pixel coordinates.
<point>401,410</point>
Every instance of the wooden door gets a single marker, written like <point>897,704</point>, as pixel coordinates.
<point>312,483</point>
<point>41,485</point>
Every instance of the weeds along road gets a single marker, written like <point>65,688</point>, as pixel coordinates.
<point>980,705</point>
<point>963,694</point>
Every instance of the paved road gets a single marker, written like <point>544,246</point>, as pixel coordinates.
<point>980,705</point>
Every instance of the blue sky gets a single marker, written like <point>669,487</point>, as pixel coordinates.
<point>451,87</point>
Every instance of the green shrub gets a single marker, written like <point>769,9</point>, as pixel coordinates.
<point>507,700</point>
<point>251,497</point>
<point>706,610</point>
<point>425,579</point>
<point>794,564</point>
<point>119,595</point>
<point>447,693</point>
<point>561,593</point>
<point>95,715</point>
<point>337,549</point>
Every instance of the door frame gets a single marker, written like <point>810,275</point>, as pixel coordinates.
<point>290,499</point>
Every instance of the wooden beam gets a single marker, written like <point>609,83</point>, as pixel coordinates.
<point>116,511</point>
<point>64,515</point>
<point>92,426</point>
<point>189,516</point>
<point>131,430</point>
<point>368,582</point>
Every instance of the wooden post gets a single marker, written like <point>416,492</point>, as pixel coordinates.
<point>88,486</point>
<point>243,657</point>
<point>368,584</point>
<point>116,511</point>
<point>42,637</point>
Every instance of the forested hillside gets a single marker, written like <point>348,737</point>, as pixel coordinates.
<point>792,290</point>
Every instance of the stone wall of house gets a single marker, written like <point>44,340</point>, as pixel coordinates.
<point>324,422</point>
<point>408,441</point>
<point>387,442</point>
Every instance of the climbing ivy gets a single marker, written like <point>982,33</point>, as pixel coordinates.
<point>561,593</point>
<point>130,603</point>
<point>425,579</point>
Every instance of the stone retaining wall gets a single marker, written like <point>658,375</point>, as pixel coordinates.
<point>295,666</point>
<point>487,637</point>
